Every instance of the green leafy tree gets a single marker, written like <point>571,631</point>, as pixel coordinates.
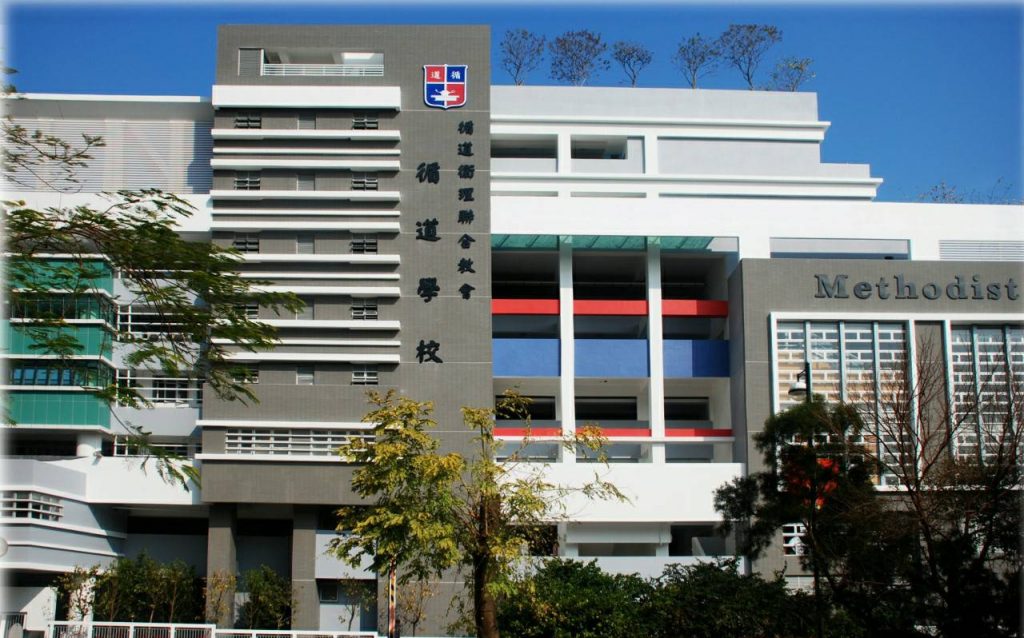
<point>269,602</point>
<point>575,598</point>
<point>576,56</point>
<point>696,57</point>
<point>708,600</point>
<point>633,57</point>
<point>745,45</point>
<point>429,511</point>
<point>818,477</point>
<point>791,73</point>
<point>521,52</point>
<point>138,589</point>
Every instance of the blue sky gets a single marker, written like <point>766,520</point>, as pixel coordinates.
<point>922,92</point>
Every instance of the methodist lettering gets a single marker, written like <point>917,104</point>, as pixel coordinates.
<point>897,287</point>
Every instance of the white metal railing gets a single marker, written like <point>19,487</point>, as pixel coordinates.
<point>10,622</point>
<point>268,633</point>
<point>296,442</point>
<point>147,323</point>
<point>85,629</point>
<point>325,70</point>
<point>174,392</point>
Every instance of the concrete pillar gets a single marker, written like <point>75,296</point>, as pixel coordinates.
<point>88,443</point>
<point>564,153</point>
<point>651,154</point>
<point>567,342</point>
<point>306,610</point>
<point>221,564</point>
<point>656,352</point>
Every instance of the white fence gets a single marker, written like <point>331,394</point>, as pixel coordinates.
<point>72,629</point>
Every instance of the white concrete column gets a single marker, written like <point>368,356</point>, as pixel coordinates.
<point>656,353</point>
<point>564,153</point>
<point>755,246</point>
<point>651,154</point>
<point>567,343</point>
<point>88,443</point>
<point>564,548</point>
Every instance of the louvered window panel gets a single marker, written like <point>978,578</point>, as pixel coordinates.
<point>169,155</point>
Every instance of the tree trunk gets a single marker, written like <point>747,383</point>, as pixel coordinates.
<point>485,608</point>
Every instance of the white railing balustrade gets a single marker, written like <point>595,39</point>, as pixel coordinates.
<point>74,629</point>
<point>291,441</point>
<point>12,623</point>
<point>325,70</point>
<point>161,391</point>
<point>83,629</point>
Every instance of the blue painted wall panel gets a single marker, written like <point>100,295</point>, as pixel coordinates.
<point>612,358</point>
<point>686,358</point>
<point>526,357</point>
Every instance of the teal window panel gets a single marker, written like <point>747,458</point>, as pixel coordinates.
<point>95,340</point>
<point>58,408</point>
<point>524,242</point>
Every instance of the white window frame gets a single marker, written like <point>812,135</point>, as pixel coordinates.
<point>247,180</point>
<point>365,374</point>
<point>365,309</point>
<point>363,244</point>
<point>305,375</point>
<point>246,242</point>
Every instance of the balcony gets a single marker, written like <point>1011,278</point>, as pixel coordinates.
<point>685,491</point>
<point>324,70</point>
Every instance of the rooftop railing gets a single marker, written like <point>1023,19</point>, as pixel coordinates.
<point>324,70</point>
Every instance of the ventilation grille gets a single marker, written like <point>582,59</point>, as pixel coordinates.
<point>172,156</point>
<point>962,250</point>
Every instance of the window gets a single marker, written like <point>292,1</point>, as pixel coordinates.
<point>307,121</point>
<point>305,244</point>
<point>793,539</point>
<point>246,242</point>
<point>26,504</point>
<point>364,375</point>
<point>305,182</point>
<point>987,371</point>
<point>365,121</point>
<point>249,310</point>
<point>249,375</point>
<point>73,373</point>
<point>363,245</point>
<point>364,309</point>
<point>307,312</point>
<point>328,592</point>
<point>247,180</point>
<point>170,391</point>
<point>305,375</point>
<point>364,181</point>
<point>857,362</point>
<point>248,119</point>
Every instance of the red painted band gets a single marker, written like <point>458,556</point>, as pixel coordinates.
<point>694,308</point>
<point>707,432</point>
<point>609,307</point>
<point>524,306</point>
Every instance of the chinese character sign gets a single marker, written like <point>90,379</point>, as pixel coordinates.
<point>444,85</point>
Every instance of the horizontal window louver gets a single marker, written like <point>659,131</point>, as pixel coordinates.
<point>169,155</point>
<point>964,250</point>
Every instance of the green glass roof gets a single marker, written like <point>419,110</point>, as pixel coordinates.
<point>596,242</point>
